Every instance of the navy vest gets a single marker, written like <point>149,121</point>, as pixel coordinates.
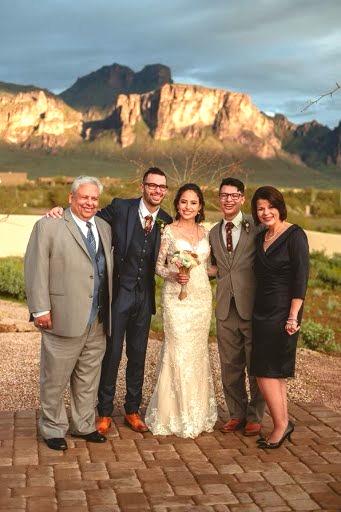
<point>100,281</point>
<point>138,267</point>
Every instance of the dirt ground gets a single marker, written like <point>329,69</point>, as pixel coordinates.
<point>317,375</point>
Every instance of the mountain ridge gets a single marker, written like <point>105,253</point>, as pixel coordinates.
<point>149,101</point>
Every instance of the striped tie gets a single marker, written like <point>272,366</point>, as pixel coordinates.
<point>90,237</point>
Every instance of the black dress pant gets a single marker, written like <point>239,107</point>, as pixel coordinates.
<point>131,315</point>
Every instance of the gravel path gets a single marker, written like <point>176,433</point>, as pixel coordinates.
<point>317,375</point>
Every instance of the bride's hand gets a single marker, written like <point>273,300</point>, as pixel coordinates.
<point>182,278</point>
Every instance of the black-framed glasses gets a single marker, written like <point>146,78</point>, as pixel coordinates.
<point>234,196</point>
<point>154,186</point>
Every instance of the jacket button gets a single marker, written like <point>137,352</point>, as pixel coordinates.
<point>122,259</point>
<point>91,296</point>
<point>91,277</point>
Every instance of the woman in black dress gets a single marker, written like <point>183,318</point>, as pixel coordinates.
<point>281,267</point>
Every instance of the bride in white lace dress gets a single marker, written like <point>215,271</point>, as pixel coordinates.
<point>183,402</point>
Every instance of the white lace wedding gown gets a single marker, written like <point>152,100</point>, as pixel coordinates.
<point>183,401</point>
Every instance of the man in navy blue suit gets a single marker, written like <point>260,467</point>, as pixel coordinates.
<point>136,233</point>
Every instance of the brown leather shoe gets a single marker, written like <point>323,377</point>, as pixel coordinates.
<point>135,422</point>
<point>252,429</point>
<point>103,423</point>
<point>232,425</point>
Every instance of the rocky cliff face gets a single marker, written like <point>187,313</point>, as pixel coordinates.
<point>189,111</point>
<point>35,118</point>
<point>312,142</point>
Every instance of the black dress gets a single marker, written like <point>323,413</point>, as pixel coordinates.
<point>281,275</point>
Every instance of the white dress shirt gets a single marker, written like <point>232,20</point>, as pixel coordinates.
<point>236,230</point>
<point>143,212</point>
<point>84,229</point>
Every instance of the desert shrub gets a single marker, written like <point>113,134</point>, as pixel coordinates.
<point>330,276</point>
<point>325,272</point>
<point>318,337</point>
<point>12,278</point>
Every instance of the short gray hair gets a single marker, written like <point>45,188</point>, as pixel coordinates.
<point>84,180</point>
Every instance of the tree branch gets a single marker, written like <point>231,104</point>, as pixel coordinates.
<point>329,93</point>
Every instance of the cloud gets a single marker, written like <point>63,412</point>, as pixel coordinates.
<point>278,51</point>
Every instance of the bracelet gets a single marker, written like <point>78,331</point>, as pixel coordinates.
<point>292,320</point>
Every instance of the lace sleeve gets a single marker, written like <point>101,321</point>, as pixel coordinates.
<point>211,267</point>
<point>162,269</point>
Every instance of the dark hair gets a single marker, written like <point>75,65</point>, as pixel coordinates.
<point>275,198</point>
<point>153,170</point>
<point>195,188</point>
<point>233,182</point>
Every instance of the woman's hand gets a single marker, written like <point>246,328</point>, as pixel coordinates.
<point>291,326</point>
<point>182,278</point>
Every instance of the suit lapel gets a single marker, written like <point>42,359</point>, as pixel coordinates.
<point>104,239</point>
<point>132,216</point>
<point>241,244</point>
<point>221,246</point>
<point>73,228</point>
<point>160,217</point>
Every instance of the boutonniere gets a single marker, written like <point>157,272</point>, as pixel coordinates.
<point>246,225</point>
<point>160,224</point>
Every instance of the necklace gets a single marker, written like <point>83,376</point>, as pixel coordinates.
<point>267,239</point>
<point>191,236</point>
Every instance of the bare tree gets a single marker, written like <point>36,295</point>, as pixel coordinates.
<point>329,93</point>
<point>197,161</point>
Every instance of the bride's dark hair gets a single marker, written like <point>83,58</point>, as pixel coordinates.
<point>195,188</point>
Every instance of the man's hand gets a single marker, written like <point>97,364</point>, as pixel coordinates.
<point>43,321</point>
<point>182,278</point>
<point>55,213</point>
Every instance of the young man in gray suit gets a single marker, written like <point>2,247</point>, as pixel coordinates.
<point>233,249</point>
<point>68,276</point>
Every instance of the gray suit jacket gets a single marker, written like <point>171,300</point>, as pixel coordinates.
<point>59,273</point>
<point>236,275</point>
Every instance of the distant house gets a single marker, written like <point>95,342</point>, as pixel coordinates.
<point>9,178</point>
<point>54,180</point>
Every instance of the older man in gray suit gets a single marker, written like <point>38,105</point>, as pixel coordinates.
<point>68,275</point>
<point>233,249</point>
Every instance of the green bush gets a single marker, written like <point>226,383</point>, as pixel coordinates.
<point>331,276</point>
<point>12,278</point>
<point>318,337</point>
<point>324,272</point>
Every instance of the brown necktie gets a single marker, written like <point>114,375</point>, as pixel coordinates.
<point>148,224</point>
<point>229,244</point>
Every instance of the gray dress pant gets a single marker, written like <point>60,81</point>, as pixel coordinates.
<point>78,361</point>
<point>234,342</point>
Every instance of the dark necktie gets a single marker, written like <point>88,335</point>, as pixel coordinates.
<point>90,237</point>
<point>229,243</point>
<point>148,224</point>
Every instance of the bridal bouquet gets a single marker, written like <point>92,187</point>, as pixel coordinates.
<point>185,261</point>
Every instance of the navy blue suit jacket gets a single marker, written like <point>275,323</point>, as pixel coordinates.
<point>121,214</point>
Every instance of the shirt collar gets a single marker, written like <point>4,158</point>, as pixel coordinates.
<point>144,210</point>
<point>238,219</point>
<point>81,222</point>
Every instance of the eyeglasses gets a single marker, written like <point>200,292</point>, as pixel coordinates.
<point>154,186</point>
<point>234,196</point>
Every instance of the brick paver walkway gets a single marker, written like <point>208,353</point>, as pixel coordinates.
<point>135,472</point>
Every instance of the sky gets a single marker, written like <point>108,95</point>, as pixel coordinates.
<point>282,53</point>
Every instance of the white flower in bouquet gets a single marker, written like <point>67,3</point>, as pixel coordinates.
<point>185,261</point>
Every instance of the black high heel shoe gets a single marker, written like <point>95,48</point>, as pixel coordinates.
<point>265,445</point>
